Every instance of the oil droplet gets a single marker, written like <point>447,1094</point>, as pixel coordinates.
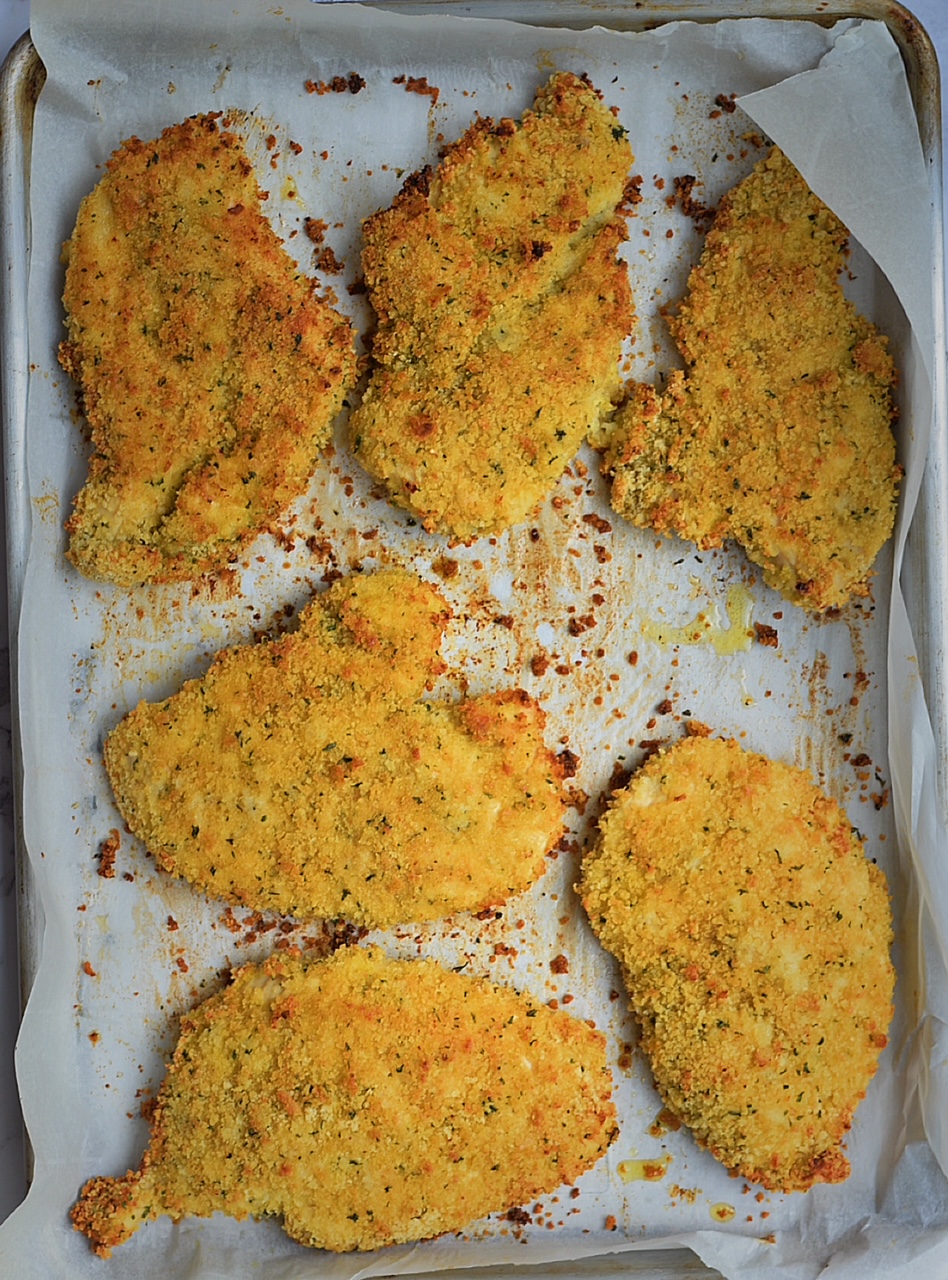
<point>643,1170</point>
<point>706,628</point>
<point>290,189</point>
<point>722,1212</point>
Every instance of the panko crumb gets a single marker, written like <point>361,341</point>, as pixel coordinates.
<point>108,850</point>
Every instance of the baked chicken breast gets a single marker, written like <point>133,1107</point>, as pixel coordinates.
<point>753,933</point>
<point>365,1102</point>
<point>502,307</point>
<point>778,432</point>
<point>313,776</point>
<point>210,369</point>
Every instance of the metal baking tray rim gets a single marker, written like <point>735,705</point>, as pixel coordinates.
<point>926,562</point>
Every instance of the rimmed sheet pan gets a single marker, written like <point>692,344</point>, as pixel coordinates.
<point>799,702</point>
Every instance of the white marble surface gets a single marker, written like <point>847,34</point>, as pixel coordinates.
<point>14,20</point>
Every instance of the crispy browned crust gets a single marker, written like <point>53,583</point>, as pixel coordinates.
<point>754,937</point>
<point>502,308</point>
<point>307,776</point>
<point>209,369</point>
<point>365,1101</point>
<point>778,433</point>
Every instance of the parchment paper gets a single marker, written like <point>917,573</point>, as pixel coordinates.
<point>835,692</point>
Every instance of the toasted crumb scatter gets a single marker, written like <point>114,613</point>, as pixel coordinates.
<point>753,934</point>
<point>352,83</point>
<point>107,854</point>
<point>778,432</point>
<point>766,635</point>
<point>419,85</point>
<point>365,1102</point>
<point>502,307</point>
<point>315,229</point>
<point>306,775</point>
<point>209,402</point>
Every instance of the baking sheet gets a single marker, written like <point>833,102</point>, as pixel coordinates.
<point>837,101</point>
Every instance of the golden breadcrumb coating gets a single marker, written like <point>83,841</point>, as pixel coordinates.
<point>308,776</point>
<point>778,434</point>
<point>502,308</point>
<point>366,1102</point>
<point>754,937</point>
<point>209,369</point>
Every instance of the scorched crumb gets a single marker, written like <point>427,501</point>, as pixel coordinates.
<point>724,103</point>
<point>107,851</point>
<point>327,261</point>
<point>684,197</point>
<point>352,83</point>
<point>418,84</point>
<point>446,568</point>
<point>315,229</point>
<point>576,626</point>
<point>766,635</point>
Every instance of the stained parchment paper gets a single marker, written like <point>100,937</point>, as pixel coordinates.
<point>663,626</point>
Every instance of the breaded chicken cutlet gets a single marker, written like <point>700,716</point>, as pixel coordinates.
<point>366,1102</point>
<point>308,776</point>
<point>778,433</point>
<point>753,934</point>
<point>209,369</point>
<point>502,308</point>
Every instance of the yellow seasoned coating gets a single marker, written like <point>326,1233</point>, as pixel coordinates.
<point>366,1102</point>
<point>310,776</point>
<point>210,371</point>
<point>778,433</point>
<point>502,308</point>
<point>753,934</point>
